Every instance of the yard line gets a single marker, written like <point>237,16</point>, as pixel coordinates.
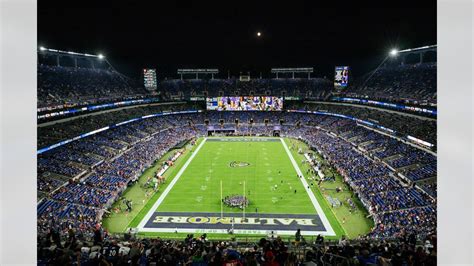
<point>317,207</point>
<point>168,189</point>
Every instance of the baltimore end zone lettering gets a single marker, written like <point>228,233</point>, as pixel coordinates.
<point>306,222</point>
<point>237,220</point>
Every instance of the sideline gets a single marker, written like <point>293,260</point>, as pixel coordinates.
<point>317,207</point>
<point>155,206</point>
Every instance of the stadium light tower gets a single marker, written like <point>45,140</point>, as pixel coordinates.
<point>393,52</point>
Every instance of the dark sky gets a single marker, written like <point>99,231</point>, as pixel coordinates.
<point>168,36</point>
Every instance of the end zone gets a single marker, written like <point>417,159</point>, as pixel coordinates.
<point>195,222</point>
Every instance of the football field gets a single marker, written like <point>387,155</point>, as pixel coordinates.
<point>263,170</point>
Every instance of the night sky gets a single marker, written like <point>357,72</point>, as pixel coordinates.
<point>223,35</point>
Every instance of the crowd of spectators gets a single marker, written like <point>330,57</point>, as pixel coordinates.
<point>421,128</point>
<point>420,221</point>
<point>58,85</point>
<point>384,195</point>
<point>414,83</point>
<point>314,88</point>
<point>57,166</point>
<point>132,152</point>
<point>426,171</point>
<point>402,251</point>
<point>430,187</point>
<point>53,133</point>
<point>106,249</point>
<point>371,180</point>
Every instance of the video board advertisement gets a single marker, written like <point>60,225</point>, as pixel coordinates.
<point>341,76</point>
<point>149,79</point>
<point>245,103</point>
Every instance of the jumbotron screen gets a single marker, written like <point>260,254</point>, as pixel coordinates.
<point>149,79</point>
<point>245,103</point>
<point>341,77</point>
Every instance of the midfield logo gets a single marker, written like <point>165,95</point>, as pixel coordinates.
<point>238,164</point>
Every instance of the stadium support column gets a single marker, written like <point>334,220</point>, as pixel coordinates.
<point>277,75</point>
<point>57,60</point>
<point>293,75</point>
<point>197,75</point>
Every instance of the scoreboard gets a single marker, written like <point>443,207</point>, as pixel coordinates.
<point>341,77</point>
<point>149,79</point>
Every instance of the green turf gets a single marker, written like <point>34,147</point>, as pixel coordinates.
<point>199,185</point>
<point>198,189</point>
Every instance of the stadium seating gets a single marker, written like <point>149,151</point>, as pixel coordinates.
<point>410,82</point>
<point>421,128</point>
<point>199,250</point>
<point>78,182</point>
<point>379,190</point>
<point>59,85</point>
<point>314,88</point>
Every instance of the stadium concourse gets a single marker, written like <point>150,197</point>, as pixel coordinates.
<point>80,180</point>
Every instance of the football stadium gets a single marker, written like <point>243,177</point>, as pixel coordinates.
<point>245,165</point>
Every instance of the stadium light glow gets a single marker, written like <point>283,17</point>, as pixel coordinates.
<point>393,52</point>
<point>99,56</point>
<point>259,34</point>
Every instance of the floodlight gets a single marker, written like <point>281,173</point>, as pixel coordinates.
<point>42,48</point>
<point>394,52</point>
<point>258,33</point>
<point>101,56</point>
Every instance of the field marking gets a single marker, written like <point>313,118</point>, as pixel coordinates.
<point>141,227</point>
<point>155,206</point>
<point>225,231</point>
<point>313,199</point>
